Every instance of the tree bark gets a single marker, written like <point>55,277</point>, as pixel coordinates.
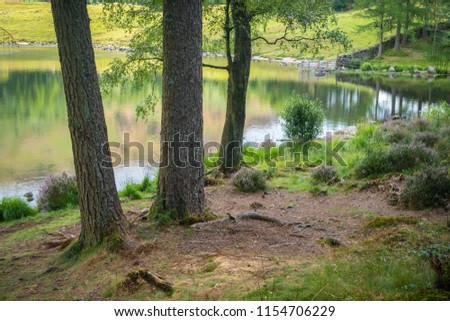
<point>101,214</point>
<point>180,185</point>
<point>239,72</point>
<point>407,22</point>
<point>398,35</point>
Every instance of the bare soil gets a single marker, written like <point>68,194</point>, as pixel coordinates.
<point>205,262</point>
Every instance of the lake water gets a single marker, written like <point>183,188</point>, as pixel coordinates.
<point>35,142</point>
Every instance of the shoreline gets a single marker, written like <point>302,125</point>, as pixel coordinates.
<point>304,63</point>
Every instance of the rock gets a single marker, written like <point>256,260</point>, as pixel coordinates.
<point>145,211</point>
<point>431,70</point>
<point>392,69</point>
<point>346,133</point>
<point>291,206</point>
<point>333,241</point>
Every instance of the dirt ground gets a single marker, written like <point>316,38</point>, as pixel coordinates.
<point>202,262</point>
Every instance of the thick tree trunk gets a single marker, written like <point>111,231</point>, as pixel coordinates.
<point>180,186</point>
<point>239,71</point>
<point>398,35</point>
<point>101,214</point>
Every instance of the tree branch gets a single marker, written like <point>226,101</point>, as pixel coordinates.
<point>9,34</point>
<point>284,37</point>
<point>215,67</point>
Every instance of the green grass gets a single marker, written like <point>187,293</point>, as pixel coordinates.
<point>32,22</point>
<point>14,208</point>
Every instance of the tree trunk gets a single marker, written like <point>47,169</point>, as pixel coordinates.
<point>380,47</point>
<point>398,35</point>
<point>407,21</point>
<point>101,214</point>
<point>239,71</point>
<point>180,185</point>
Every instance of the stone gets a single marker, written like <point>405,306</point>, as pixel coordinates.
<point>392,69</point>
<point>431,70</point>
<point>145,211</point>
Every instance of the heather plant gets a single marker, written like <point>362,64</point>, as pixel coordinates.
<point>427,138</point>
<point>324,174</point>
<point>396,158</point>
<point>14,208</point>
<point>249,180</point>
<point>58,192</point>
<point>428,188</point>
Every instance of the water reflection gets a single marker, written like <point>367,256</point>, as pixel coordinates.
<point>35,139</point>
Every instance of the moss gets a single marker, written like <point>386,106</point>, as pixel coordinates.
<point>389,221</point>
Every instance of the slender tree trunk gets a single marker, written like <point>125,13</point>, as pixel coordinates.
<point>101,214</point>
<point>239,71</point>
<point>407,22</point>
<point>398,35</point>
<point>180,185</point>
<point>433,49</point>
<point>380,47</point>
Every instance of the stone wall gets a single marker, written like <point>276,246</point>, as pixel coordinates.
<point>369,53</point>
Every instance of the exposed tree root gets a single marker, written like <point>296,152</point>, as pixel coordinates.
<point>248,216</point>
<point>149,277</point>
<point>62,241</point>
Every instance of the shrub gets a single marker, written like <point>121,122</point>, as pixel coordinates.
<point>439,258</point>
<point>132,191</point>
<point>324,174</point>
<point>428,188</point>
<point>354,64</point>
<point>419,125</point>
<point>303,118</point>
<point>58,192</point>
<point>397,158</point>
<point>249,180</point>
<point>429,139</point>
<point>367,66</point>
<point>14,208</point>
<point>439,116</point>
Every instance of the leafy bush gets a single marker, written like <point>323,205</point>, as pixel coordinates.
<point>303,118</point>
<point>429,139</point>
<point>14,208</point>
<point>324,174</point>
<point>58,192</point>
<point>419,125</point>
<point>439,116</point>
<point>367,66</point>
<point>249,180</point>
<point>439,258</point>
<point>428,188</point>
<point>354,64</point>
<point>397,158</point>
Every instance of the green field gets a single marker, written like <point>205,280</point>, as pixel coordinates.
<point>33,23</point>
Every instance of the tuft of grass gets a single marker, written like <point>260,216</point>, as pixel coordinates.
<point>389,221</point>
<point>14,208</point>
<point>132,191</point>
<point>249,180</point>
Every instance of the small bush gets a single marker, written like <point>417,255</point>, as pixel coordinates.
<point>14,208</point>
<point>419,125</point>
<point>429,139</point>
<point>58,192</point>
<point>303,118</point>
<point>324,174</point>
<point>132,191</point>
<point>249,180</point>
<point>428,188</point>
<point>439,116</point>
<point>397,158</point>
<point>439,258</point>
<point>367,66</point>
<point>355,64</point>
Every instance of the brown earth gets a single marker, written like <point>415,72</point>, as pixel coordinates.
<point>205,262</point>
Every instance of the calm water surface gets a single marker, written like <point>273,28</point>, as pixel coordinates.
<point>35,142</point>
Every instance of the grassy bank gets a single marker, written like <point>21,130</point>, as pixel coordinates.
<point>33,23</point>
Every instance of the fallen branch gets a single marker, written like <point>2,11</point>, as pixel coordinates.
<point>61,243</point>
<point>248,216</point>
